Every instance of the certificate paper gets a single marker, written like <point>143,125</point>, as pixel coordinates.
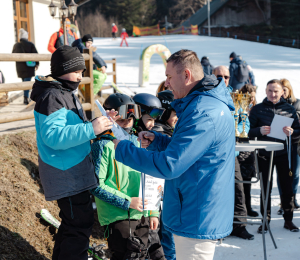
<point>118,131</point>
<point>278,123</point>
<point>154,188</point>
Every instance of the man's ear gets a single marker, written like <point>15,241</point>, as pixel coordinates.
<point>187,75</point>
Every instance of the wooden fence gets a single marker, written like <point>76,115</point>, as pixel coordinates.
<point>87,82</point>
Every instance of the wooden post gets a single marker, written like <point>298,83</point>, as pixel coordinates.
<point>115,71</point>
<point>89,88</point>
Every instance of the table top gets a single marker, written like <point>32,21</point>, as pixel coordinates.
<point>253,145</point>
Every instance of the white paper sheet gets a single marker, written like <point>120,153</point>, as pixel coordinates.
<point>278,123</point>
<point>154,188</point>
<point>118,131</point>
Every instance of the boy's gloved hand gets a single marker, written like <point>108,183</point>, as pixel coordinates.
<point>137,203</point>
<point>101,124</point>
<point>153,223</point>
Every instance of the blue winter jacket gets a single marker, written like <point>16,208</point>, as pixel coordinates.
<point>63,137</point>
<point>197,163</point>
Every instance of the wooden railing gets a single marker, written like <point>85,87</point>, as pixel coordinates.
<point>87,81</point>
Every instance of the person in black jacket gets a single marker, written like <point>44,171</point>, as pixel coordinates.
<point>288,95</point>
<point>99,76</point>
<point>207,67</point>
<point>25,70</point>
<point>261,117</point>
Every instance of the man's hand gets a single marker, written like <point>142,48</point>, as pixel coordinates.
<point>113,114</point>
<point>36,67</point>
<point>101,124</point>
<point>116,142</point>
<point>288,130</point>
<point>265,130</point>
<point>137,203</point>
<point>103,68</point>
<point>153,223</point>
<point>146,138</point>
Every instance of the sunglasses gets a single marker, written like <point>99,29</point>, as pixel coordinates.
<point>130,110</point>
<point>225,77</point>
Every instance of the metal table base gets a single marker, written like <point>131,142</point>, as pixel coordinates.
<point>265,197</point>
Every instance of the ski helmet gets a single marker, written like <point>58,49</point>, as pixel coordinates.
<point>113,24</point>
<point>124,104</point>
<point>123,30</point>
<point>166,98</point>
<point>149,104</point>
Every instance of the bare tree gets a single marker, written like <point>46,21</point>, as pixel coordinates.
<point>266,11</point>
<point>95,24</point>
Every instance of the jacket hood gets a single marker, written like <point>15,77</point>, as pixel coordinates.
<point>42,84</point>
<point>208,86</point>
<point>236,60</point>
<point>205,62</point>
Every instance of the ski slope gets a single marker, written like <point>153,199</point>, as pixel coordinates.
<point>268,62</point>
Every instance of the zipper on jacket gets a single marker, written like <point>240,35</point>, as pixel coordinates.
<point>180,200</point>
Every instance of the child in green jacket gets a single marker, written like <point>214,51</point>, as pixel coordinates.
<point>117,196</point>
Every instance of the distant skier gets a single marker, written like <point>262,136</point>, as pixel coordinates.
<point>124,35</point>
<point>207,67</point>
<point>114,30</point>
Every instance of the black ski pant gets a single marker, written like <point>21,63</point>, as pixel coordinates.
<point>119,233</point>
<point>247,192</point>
<point>72,238</point>
<point>286,184</point>
<point>239,198</point>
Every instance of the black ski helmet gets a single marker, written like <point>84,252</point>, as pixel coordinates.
<point>146,100</point>
<point>124,104</point>
<point>166,97</point>
<point>114,101</point>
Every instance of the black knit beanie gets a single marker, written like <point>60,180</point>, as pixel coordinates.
<point>232,55</point>
<point>87,38</point>
<point>65,60</point>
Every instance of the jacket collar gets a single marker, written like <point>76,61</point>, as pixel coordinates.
<point>269,103</point>
<point>208,86</point>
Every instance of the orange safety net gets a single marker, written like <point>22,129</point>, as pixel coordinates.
<point>144,31</point>
<point>182,30</point>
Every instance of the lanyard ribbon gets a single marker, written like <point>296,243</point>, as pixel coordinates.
<point>289,153</point>
<point>143,179</point>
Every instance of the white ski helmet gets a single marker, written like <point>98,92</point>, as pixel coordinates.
<point>123,30</point>
<point>113,24</point>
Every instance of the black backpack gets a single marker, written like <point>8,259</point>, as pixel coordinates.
<point>242,73</point>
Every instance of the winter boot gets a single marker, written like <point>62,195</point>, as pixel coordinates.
<point>296,205</point>
<point>26,101</point>
<point>290,226</point>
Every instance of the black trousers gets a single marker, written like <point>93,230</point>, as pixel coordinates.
<point>247,192</point>
<point>119,233</point>
<point>239,198</point>
<point>72,238</point>
<point>286,184</point>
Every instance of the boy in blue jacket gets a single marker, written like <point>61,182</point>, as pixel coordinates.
<point>65,163</point>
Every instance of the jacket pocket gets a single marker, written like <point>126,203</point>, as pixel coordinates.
<point>180,201</point>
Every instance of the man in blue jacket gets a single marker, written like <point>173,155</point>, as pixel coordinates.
<point>197,162</point>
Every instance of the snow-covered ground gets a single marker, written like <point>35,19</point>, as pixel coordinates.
<point>268,62</point>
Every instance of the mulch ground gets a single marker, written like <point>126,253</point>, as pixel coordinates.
<point>23,235</point>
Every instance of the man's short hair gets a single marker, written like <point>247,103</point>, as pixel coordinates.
<point>186,59</point>
<point>275,81</point>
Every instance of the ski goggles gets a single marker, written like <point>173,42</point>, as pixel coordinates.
<point>154,112</point>
<point>129,110</point>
